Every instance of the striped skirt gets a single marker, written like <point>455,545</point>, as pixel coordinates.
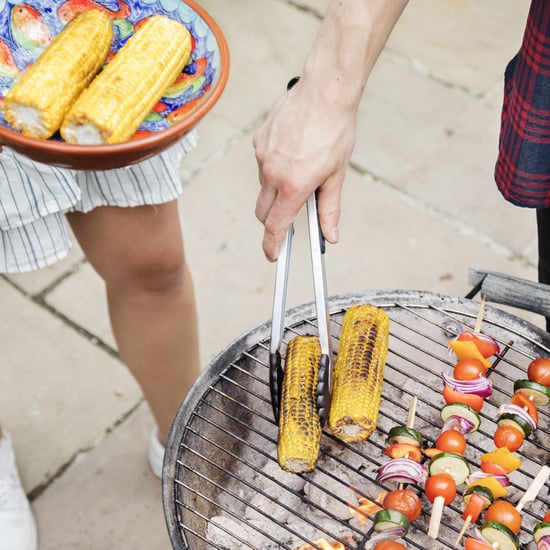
<point>34,198</point>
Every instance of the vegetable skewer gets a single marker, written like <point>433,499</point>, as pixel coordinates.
<point>410,422</point>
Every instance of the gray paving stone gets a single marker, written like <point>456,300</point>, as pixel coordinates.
<point>460,42</point>
<point>60,393</point>
<point>268,42</point>
<point>439,145</point>
<point>109,499</point>
<point>81,298</point>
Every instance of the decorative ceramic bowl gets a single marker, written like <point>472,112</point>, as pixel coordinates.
<point>26,27</point>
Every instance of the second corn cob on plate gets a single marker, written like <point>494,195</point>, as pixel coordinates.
<point>39,101</point>
<point>185,100</point>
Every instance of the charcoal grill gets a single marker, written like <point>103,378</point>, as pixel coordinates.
<point>222,488</point>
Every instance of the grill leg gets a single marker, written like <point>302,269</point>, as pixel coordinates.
<point>543,229</point>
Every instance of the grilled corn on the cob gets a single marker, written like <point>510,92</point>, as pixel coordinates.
<point>39,101</point>
<point>299,424</point>
<point>359,373</point>
<point>119,99</point>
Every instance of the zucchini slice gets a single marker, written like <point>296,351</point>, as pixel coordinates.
<point>542,529</point>
<point>461,410</point>
<point>450,463</point>
<point>389,519</point>
<point>494,531</point>
<point>539,393</point>
<point>404,434</point>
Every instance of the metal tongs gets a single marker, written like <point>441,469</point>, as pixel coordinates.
<point>317,247</point>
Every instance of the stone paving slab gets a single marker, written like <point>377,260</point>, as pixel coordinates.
<point>109,499</point>
<point>461,42</point>
<point>60,393</point>
<point>447,164</point>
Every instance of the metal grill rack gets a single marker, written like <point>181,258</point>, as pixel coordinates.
<point>223,488</point>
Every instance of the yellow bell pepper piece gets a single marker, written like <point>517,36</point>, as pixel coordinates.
<point>504,457</point>
<point>466,349</point>
<point>497,489</point>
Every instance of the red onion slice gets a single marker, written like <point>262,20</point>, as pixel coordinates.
<point>392,533</point>
<point>402,470</point>
<point>520,411</point>
<point>463,425</point>
<point>481,386</point>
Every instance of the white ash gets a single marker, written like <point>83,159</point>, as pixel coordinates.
<point>320,492</point>
<point>220,529</point>
<point>273,506</point>
<point>272,471</point>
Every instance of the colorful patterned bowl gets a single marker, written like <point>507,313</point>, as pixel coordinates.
<point>26,27</point>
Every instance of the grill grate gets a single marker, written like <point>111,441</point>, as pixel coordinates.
<point>223,488</point>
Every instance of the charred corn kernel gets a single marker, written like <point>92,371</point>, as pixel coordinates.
<point>119,99</point>
<point>299,424</point>
<point>359,373</point>
<point>39,101</point>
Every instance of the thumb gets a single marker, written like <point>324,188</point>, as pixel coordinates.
<point>328,205</point>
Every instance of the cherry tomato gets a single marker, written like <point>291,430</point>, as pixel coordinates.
<point>504,512</point>
<point>475,544</point>
<point>539,371</point>
<point>547,517</point>
<point>441,485</point>
<point>469,369</point>
<point>404,501</point>
<point>451,441</point>
<point>522,400</point>
<point>508,436</point>
<point>486,345</point>
<point>388,545</point>
<point>471,399</point>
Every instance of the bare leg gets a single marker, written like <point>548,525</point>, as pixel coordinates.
<point>139,254</point>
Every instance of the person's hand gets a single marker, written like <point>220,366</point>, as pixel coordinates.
<point>304,145</point>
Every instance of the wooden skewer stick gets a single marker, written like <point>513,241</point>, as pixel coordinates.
<point>480,314</point>
<point>412,412</point>
<point>534,489</point>
<point>467,522</point>
<point>410,424</point>
<point>435,518</point>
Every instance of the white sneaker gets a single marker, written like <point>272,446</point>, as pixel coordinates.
<point>17,526</point>
<point>156,455</point>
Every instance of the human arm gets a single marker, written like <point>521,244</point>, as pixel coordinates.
<point>307,139</point>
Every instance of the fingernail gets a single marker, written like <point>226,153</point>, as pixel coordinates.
<point>333,235</point>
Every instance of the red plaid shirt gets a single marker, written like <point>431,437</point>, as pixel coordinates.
<point>522,171</point>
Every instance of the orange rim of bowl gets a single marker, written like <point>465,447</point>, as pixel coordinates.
<point>167,134</point>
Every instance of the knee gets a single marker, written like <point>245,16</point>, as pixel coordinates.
<point>153,273</point>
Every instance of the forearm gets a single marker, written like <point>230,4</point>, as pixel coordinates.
<point>308,137</point>
<point>351,37</point>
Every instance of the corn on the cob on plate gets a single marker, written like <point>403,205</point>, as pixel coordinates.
<point>359,373</point>
<point>299,425</point>
<point>119,99</point>
<point>39,101</point>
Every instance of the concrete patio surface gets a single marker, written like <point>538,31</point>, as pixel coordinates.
<point>419,208</point>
